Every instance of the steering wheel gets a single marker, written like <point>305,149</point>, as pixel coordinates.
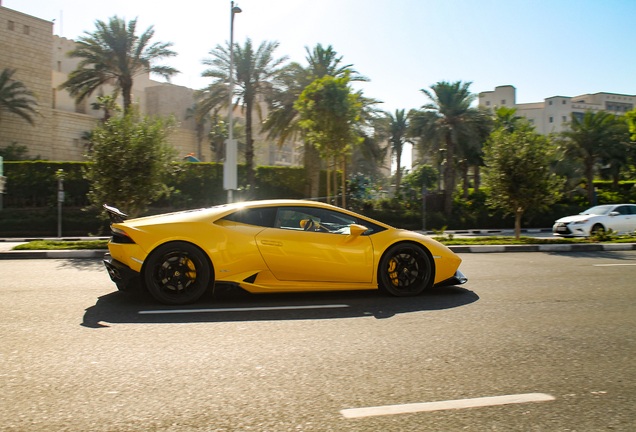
<point>309,225</point>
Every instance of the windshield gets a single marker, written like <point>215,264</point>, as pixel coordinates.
<point>598,210</point>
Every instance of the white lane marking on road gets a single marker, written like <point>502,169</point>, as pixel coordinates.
<point>446,405</point>
<point>248,309</point>
<point>613,265</point>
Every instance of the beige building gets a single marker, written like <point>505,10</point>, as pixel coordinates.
<point>27,44</point>
<point>554,113</point>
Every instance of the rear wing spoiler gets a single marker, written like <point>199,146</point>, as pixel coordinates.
<point>115,214</point>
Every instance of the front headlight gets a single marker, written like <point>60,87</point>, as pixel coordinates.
<point>581,222</point>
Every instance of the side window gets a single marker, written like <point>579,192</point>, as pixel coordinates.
<point>623,210</point>
<point>319,220</point>
<point>255,216</point>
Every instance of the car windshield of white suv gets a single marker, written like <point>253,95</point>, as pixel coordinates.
<point>598,210</point>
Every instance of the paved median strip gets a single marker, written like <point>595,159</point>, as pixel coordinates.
<point>446,405</point>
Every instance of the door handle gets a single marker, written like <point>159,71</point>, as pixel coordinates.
<point>271,243</point>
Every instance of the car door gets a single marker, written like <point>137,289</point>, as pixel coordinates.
<point>327,253</point>
<point>622,221</point>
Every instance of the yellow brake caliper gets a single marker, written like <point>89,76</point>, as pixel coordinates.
<point>393,272</point>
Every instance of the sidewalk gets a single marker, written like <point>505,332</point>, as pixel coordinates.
<point>7,244</point>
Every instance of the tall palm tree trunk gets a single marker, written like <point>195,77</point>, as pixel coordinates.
<point>449,176</point>
<point>344,181</point>
<point>249,147</point>
<point>589,175</point>
<point>312,167</point>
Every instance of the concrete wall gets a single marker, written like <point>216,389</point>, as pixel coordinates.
<point>25,45</point>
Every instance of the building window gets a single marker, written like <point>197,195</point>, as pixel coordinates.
<point>59,66</point>
<point>564,119</point>
<point>487,103</point>
<point>11,25</point>
<point>551,119</point>
<point>563,102</point>
<point>26,30</point>
<point>550,103</point>
<point>503,101</point>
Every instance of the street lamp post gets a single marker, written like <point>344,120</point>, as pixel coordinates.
<point>230,164</point>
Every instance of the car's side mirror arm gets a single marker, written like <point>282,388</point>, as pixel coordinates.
<point>356,230</point>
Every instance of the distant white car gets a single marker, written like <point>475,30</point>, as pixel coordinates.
<point>617,217</point>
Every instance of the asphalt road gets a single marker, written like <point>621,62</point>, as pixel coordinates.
<point>533,342</point>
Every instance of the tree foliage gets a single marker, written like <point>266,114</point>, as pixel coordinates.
<point>283,119</point>
<point>16,152</point>
<point>398,128</point>
<point>631,122</point>
<point>329,111</point>
<point>114,54</point>
<point>518,173</point>
<point>447,123</point>
<point>255,71</point>
<point>593,137</point>
<point>15,97</point>
<point>130,162</point>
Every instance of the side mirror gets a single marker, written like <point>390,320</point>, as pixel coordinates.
<point>356,230</point>
<point>614,213</point>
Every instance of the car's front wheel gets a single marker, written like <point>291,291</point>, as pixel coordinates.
<point>177,273</point>
<point>597,229</point>
<point>406,269</point>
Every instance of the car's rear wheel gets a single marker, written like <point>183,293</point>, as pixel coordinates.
<point>597,229</point>
<point>177,273</point>
<point>406,269</point>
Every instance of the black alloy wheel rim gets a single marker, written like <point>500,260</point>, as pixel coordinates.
<point>176,273</point>
<point>406,270</point>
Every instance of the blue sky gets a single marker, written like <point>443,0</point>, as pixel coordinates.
<point>542,47</point>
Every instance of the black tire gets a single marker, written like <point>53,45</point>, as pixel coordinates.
<point>406,269</point>
<point>597,229</point>
<point>177,273</point>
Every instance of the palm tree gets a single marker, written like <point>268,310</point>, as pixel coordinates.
<point>200,117</point>
<point>255,72</point>
<point>115,54</point>
<point>444,124</point>
<point>398,127</point>
<point>325,61</point>
<point>472,146</point>
<point>592,137</point>
<point>15,97</point>
<point>506,118</point>
<point>282,121</point>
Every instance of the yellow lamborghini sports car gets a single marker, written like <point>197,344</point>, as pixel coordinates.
<point>272,246</point>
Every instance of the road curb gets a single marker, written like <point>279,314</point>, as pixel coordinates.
<point>596,247</point>
<point>588,247</point>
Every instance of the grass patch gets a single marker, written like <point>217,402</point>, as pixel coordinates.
<point>506,240</point>
<point>63,245</point>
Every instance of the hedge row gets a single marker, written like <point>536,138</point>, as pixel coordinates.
<point>34,184</point>
<point>30,201</point>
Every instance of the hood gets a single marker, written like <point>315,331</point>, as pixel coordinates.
<point>576,218</point>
